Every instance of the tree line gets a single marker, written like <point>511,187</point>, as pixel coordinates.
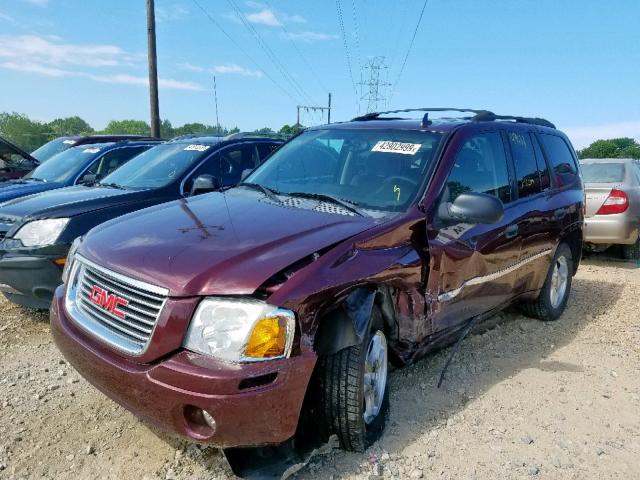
<point>30,134</point>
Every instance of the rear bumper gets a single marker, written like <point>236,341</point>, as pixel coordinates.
<point>171,393</point>
<point>30,280</point>
<point>611,229</point>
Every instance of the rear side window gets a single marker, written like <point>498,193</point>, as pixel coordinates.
<point>266,149</point>
<point>562,162</point>
<point>528,171</point>
<point>481,167</point>
<point>603,172</point>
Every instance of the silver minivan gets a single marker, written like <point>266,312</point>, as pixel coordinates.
<point>612,189</point>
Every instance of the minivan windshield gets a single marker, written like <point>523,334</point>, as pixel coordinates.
<point>66,165</point>
<point>158,166</point>
<point>49,149</point>
<point>369,169</point>
<point>602,172</point>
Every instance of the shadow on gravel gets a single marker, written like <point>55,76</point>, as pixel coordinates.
<point>500,348</point>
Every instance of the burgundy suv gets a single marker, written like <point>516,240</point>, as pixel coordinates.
<point>228,317</point>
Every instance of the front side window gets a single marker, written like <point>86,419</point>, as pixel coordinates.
<point>114,159</point>
<point>68,164</point>
<point>480,166</point>
<point>371,169</point>
<point>561,159</point>
<point>159,166</point>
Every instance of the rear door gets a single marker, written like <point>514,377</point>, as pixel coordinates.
<point>472,264</point>
<point>534,209</point>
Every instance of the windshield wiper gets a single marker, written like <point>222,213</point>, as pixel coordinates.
<point>111,185</point>
<point>266,190</point>
<point>346,204</point>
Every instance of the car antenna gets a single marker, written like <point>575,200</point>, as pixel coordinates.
<point>472,323</point>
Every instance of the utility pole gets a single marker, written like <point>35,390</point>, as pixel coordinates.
<point>314,108</point>
<point>153,69</point>
<point>373,95</point>
<point>215,96</point>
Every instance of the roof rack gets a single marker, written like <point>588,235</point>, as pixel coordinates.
<point>479,116</point>
<point>239,135</point>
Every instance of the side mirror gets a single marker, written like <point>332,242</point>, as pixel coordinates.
<point>245,173</point>
<point>477,208</point>
<point>88,179</point>
<point>204,184</point>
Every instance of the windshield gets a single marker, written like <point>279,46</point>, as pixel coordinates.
<point>158,166</point>
<point>48,150</point>
<point>371,169</point>
<point>602,172</point>
<point>66,165</point>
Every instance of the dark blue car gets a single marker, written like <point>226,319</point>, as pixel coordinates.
<point>75,166</point>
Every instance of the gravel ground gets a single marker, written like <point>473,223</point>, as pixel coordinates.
<point>555,400</point>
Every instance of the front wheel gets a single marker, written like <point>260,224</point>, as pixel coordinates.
<point>354,392</point>
<point>554,295</point>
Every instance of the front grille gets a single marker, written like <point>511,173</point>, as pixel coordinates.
<point>127,325</point>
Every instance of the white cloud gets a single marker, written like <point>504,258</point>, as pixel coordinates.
<point>223,69</point>
<point>264,17</point>
<point>49,56</point>
<point>171,13</point>
<point>309,36</point>
<point>39,3</point>
<point>582,137</point>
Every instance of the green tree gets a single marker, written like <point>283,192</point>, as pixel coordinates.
<point>128,127</point>
<point>291,129</point>
<point>613,148</point>
<point>24,132</point>
<point>264,130</point>
<point>69,126</point>
<point>166,129</point>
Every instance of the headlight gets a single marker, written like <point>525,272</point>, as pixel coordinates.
<point>69,263</point>
<point>41,232</point>
<point>241,330</point>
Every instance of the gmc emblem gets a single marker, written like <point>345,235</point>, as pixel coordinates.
<point>108,301</point>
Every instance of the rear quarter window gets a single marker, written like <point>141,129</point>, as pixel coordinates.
<point>563,163</point>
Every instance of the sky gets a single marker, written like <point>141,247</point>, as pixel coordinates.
<point>576,63</point>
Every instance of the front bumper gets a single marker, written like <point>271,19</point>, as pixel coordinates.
<point>611,229</point>
<point>172,392</point>
<point>30,280</point>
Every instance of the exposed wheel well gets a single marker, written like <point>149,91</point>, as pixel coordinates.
<point>575,240</point>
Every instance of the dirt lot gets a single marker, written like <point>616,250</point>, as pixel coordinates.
<point>558,400</point>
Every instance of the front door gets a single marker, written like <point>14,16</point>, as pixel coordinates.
<point>472,266</point>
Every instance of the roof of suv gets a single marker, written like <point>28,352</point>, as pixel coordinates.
<point>242,136</point>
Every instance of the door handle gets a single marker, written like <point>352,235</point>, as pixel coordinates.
<point>511,231</point>
<point>560,213</point>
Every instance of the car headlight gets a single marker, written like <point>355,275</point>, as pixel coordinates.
<point>69,263</point>
<point>237,330</point>
<point>41,232</point>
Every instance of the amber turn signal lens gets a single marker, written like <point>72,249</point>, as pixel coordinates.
<point>268,338</point>
<point>60,261</point>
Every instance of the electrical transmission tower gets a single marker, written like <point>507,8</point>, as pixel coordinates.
<point>371,91</point>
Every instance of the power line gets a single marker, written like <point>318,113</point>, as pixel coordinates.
<point>270,53</point>
<point>357,34</point>
<point>246,54</point>
<point>413,39</point>
<point>287,35</point>
<point>346,46</point>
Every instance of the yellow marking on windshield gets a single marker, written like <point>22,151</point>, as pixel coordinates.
<point>396,189</point>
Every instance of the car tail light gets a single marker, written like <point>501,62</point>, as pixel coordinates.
<point>616,202</point>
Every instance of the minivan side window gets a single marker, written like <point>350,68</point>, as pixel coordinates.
<point>562,162</point>
<point>481,167</point>
<point>524,159</point>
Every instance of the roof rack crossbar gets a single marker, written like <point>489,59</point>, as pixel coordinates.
<point>479,115</point>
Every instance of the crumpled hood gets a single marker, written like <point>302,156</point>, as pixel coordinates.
<point>21,188</point>
<point>67,202</point>
<point>215,244</point>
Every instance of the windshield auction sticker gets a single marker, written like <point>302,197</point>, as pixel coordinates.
<point>91,150</point>
<point>196,148</point>
<point>396,147</point>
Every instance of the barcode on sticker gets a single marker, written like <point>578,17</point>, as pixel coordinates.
<point>396,147</point>
<point>197,148</point>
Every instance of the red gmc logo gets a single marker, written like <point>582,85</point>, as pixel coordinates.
<point>108,301</point>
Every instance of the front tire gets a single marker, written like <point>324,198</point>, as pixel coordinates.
<point>354,391</point>
<point>553,297</point>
